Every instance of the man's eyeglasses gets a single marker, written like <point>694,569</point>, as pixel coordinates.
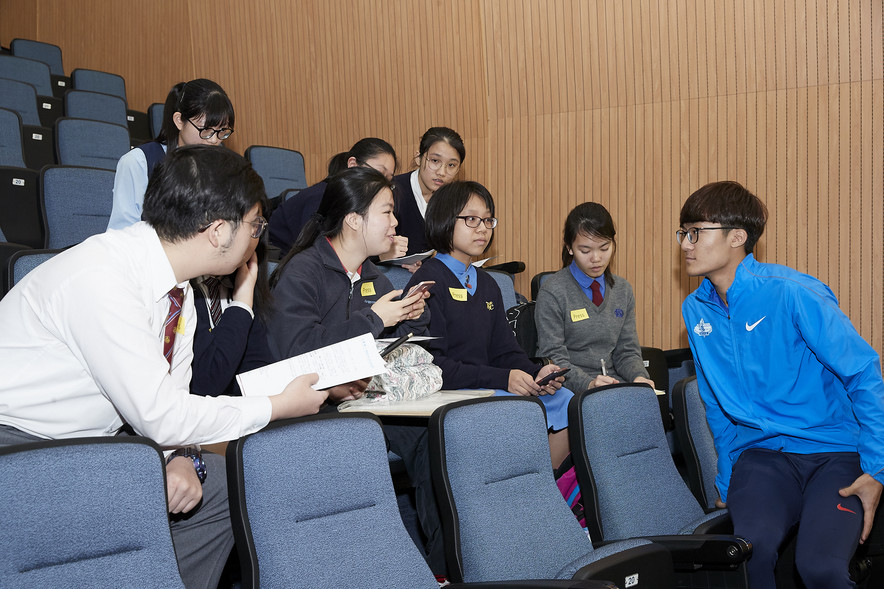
<point>434,163</point>
<point>209,132</point>
<point>258,227</point>
<point>693,234</point>
<point>472,221</point>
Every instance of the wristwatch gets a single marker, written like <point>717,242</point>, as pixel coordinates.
<point>194,454</point>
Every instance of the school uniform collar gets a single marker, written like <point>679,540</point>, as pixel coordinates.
<point>585,281</point>
<point>466,274</point>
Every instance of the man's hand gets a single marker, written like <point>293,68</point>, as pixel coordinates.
<point>182,485</point>
<point>298,398</point>
<point>244,282</point>
<point>869,492</point>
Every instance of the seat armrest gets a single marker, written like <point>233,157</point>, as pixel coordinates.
<point>705,551</point>
<point>648,566</point>
<point>717,525</point>
<point>538,584</point>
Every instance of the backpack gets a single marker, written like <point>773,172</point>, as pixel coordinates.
<point>521,320</point>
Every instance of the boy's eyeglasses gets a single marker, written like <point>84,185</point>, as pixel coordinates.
<point>258,227</point>
<point>693,234</point>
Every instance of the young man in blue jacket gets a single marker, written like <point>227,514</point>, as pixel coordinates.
<point>794,396</point>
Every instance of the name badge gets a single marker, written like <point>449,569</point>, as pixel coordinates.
<point>579,315</point>
<point>458,294</point>
<point>179,328</point>
<point>367,289</point>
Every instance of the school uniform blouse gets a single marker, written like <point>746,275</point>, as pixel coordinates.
<point>407,212</point>
<point>574,333</point>
<point>130,184</point>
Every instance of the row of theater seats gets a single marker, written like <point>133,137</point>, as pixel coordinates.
<point>503,515</point>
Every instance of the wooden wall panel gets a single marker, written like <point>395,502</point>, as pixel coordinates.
<point>631,103</point>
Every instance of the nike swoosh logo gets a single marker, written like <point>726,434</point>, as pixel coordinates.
<point>845,509</point>
<point>754,325</point>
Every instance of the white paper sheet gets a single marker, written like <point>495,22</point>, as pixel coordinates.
<point>336,364</point>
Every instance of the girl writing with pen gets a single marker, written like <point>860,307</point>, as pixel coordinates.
<point>585,314</point>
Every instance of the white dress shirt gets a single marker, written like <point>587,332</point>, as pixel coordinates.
<point>130,184</point>
<point>418,194</point>
<point>81,350</point>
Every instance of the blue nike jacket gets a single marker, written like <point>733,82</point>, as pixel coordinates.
<point>781,367</point>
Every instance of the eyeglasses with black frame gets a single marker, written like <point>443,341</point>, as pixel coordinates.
<point>473,221</point>
<point>209,132</point>
<point>259,224</point>
<point>693,234</point>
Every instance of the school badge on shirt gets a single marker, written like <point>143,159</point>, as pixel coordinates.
<point>702,328</point>
<point>490,305</point>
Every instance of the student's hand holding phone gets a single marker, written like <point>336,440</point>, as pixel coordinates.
<point>551,378</point>
<point>244,282</point>
<point>602,380</point>
<point>393,312</point>
<point>522,383</point>
<point>297,398</point>
<point>183,486</point>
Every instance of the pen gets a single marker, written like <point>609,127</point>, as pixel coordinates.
<point>395,344</point>
<point>604,368</point>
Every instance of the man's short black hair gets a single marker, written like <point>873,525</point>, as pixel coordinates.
<point>196,185</point>
<point>729,204</point>
<point>444,207</point>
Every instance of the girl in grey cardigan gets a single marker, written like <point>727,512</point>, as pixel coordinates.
<point>585,314</point>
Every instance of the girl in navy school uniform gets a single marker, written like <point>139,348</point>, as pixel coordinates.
<point>476,346</point>
<point>440,154</point>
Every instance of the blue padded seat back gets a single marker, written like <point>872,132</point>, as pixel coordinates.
<point>46,52</point>
<point>11,150</point>
<point>35,73</point>
<point>496,456</point>
<point>84,104</point>
<point>23,261</point>
<point>98,81</point>
<point>22,98</point>
<point>81,142</point>
<point>398,275</point>
<point>507,288</point>
<point>703,443</point>
<point>155,114</point>
<point>329,487</point>
<point>85,513</point>
<point>77,203</point>
<point>639,490</point>
<point>281,169</point>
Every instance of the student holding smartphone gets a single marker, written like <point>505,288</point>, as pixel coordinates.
<point>585,314</point>
<point>476,347</point>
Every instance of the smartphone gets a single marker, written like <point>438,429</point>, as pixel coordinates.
<point>551,376</point>
<point>420,287</point>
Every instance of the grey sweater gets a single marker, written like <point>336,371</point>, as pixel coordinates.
<point>576,334</point>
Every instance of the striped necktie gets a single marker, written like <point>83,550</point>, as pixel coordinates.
<point>213,287</point>
<point>176,299</point>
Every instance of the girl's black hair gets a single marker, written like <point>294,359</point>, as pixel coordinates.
<point>352,190</point>
<point>363,150</point>
<point>437,134</point>
<point>192,99</point>
<point>594,220</point>
<point>444,208</point>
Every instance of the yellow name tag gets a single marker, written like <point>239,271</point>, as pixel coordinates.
<point>579,315</point>
<point>367,289</point>
<point>180,327</point>
<point>458,294</point>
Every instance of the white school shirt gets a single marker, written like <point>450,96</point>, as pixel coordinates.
<point>418,195</point>
<point>130,184</point>
<point>81,350</point>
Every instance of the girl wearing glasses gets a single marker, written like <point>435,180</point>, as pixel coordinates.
<point>440,155</point>
<point>585,314</point>
<point>292,215</point>
<point>195,112</point>
<point>476,347</point>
